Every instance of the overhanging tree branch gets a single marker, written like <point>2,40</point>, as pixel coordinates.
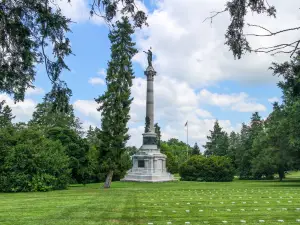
<point>235,36</point>
<point>270,32</point>
<point>214,15</point>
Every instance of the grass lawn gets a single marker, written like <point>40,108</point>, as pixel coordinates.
<point>238,202</point>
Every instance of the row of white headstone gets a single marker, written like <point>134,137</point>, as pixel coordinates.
<point>224,221</point>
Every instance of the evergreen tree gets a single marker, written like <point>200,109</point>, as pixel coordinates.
<point>217,143</point>
<point>29,27</point>
<point>45,116</point>
<point>243,155</point>
<point>115,102</point>
<point>196,149</point>
<point>131,150</point>
<point>158,133</point>
<point>147,124</point>
<point>6,115</point>
<point>234,145</point>
<point>93,136</point>
<point>246,153</point>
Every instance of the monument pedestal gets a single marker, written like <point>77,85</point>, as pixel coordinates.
<point>149,165</point>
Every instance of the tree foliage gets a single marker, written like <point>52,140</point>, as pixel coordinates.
<point>147,124</point>
<point>31,162</point>
<point>115,102</point>
<point>158,133</point>
<point>6,115</point>
<point>217,143</point>
<point>76,149</point>
<point>27,28</point>
<point>237,39</point>
<point>196,150</point>
<point>46,118</point>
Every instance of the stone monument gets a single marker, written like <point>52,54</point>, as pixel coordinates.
<point>149,165</point>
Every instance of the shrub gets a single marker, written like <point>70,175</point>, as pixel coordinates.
<point>200,168</point>
<point>34,163</point>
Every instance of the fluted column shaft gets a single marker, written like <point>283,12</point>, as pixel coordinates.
<point>150,73</point>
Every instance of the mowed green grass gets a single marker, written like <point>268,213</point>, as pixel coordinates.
<point>238,202</point>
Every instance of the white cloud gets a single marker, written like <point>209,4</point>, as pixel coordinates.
<point>237,102</point>
<point>175,103</point>
<point>102,72</point>
<point>194,52</point>
<point>88,108</point>
<point>22,110</point>
<point>79,11</point>
<point>274,99</point>
<point>35,91</point>
<point>96,80</point>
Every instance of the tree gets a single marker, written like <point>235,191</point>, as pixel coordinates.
<point>235,36</point>
<point>76,149</point>
<point>107,9</point>
<point>147,124</point>
<point>217,143</point>
<point>245,153</point>
<point>196,149</point>
<point>290,72</point>
<point>93,136</point>
<point>28,27</point>
<point>131,150</point>
<point>158,133</point>
<point>115,102</point>
<point>31,162</point>
<point>6,115</point>
<point>46,117</point>
<point>234,146</point>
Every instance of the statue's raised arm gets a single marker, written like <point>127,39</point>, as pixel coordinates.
<point>149,56</point>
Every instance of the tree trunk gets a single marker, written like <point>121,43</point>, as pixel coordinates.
<point>281,174</point>
<point>108,179</point>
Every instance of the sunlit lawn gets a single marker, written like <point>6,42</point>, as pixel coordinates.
<point>238,202</point>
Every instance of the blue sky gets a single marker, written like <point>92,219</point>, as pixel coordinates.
<point>198,79</point>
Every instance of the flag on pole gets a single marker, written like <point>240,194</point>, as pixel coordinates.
<point>186,123</point>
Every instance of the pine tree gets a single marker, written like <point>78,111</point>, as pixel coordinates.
<point>196,149</point>
<point>234,145</point>
<point>158,133</point>
<point>147,124</point>
<point>115,102</point>
<point>6,115</point>
<point>217,143</point>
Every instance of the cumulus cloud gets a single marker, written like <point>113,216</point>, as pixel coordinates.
<point>96,81</point>
<point>78,11</point>
<point>35,91</point>
<point>238,102</point>
<point>192,51</point>
<point>22,110</point>
<point>102,72</point>
<point>190,56</point>
<point>175,103</point>
<point>274,99</point>
<point>88,109</point>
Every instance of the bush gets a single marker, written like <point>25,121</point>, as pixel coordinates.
<point>200,168</point>
<point>33,163</point>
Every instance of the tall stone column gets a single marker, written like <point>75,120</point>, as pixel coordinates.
<point>150,73</point>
